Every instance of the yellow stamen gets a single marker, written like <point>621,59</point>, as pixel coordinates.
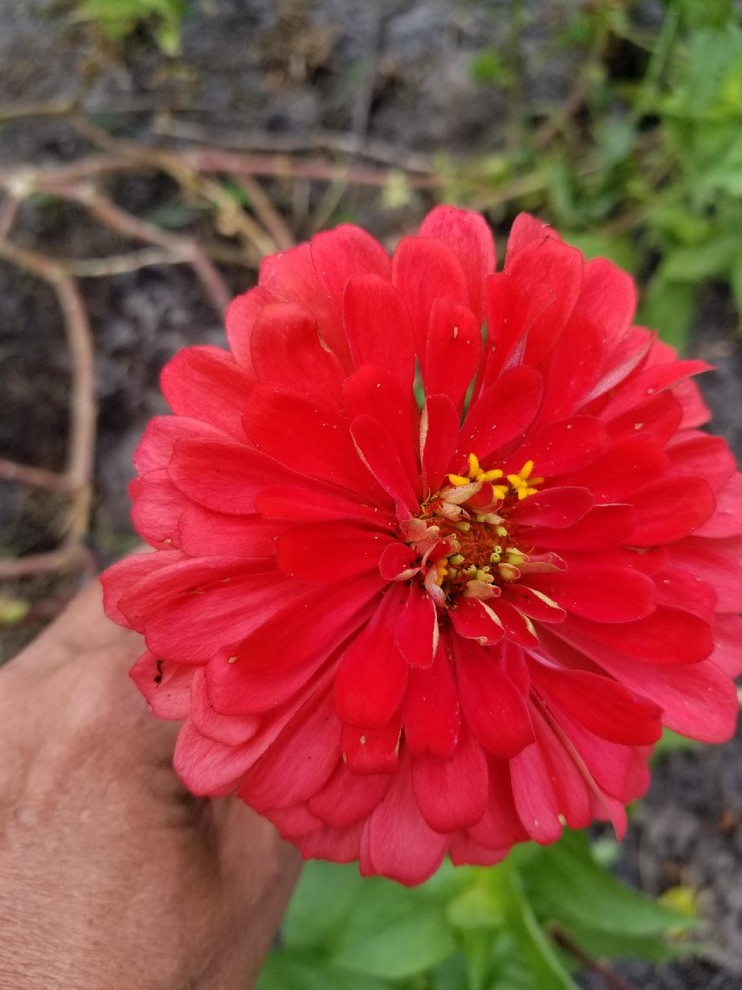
<point>458,480</point>
<point>522,483</point>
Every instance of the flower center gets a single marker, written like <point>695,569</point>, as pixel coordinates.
<point>465,545</point>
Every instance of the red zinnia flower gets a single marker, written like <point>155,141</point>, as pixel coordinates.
<point>400,632</point>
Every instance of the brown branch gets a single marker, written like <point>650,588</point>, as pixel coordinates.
<point>180,248</point>
<point>371,149</point>
<point>267,213</point>
<point>67,557</point>
<point>612,980</point>
<point>33,476</point>
<point>8,213</point>
<point>83,407</point>
<point>120,264</point>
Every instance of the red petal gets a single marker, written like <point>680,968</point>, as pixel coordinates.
<point>431,717</point>
<point>329,551</point>
<point>397,561</point>
<point>158,506</point>
<point>452,351</point>
<point>400,843</point>
<point>183,576</point>
<point>371,392</point>
<point>280,656</point>
<point>602,705</point>
<point>336,845</point>
<point>572,782</point>
<point>465,851</point>
<point>566,446</point>
<point>501,413</point>
<point>473,620</point>
<point>603,526</point>
<point>648,382</point>
<point>160,436</point>
<point>470,238</point>
<point>518,628</point>
<point>416,628</point>
<point>240,319</point>
<point>299,762</point>
<point>452,793</point>
<point>604,594</point>
<point>439,432</point>
<point>376,449</point>
<point>656,419</point>
<point>556,267</point>
<point>222,475</point>
<point>298,504</point>
<point>232,730</point>
<point>727,653</point>
<point>527,601</point>
<point>191,626</point>
<point>727,520</point>
<point>708,561</point>
<point>378,326</point>
<point>493,707</point>
<point>424,270</point>
<point>609,295</point>
<point>206,767</point>
<point>667,636</point>
<point>127,573</point>
<point>698,700</point>
<point>556,508</point>
<point>702,456</point>
<point>629,463</point>
<point>205,383</point>
<point>372,751</point>
<point>526,231</point>
<point>372,675</point>
<point>669,510</point>
<point>202,532</point>
<point>287,352</point>
<point>500,827</point>
<point>165,685</point>
<point>348,797</point>
<point>306,439</point>
<point>339,254</point>
<point>533,793</point>
<point>289,276</point>
<point>572,371</point>
<point>677,586</point>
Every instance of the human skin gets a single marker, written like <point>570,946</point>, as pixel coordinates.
<point>111,874</point>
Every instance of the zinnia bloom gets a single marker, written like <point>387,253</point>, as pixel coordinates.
<point>438,550</point>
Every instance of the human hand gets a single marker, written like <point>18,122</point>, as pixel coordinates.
<point>111,873</point>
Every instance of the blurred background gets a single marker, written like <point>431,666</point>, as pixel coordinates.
<point>152,151</point>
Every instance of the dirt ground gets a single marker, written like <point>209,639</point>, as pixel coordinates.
<point>388,83</point>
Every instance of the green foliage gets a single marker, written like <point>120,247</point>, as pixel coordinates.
<point>646,170</point>
<point>117,19</point>
<point>504,928</point>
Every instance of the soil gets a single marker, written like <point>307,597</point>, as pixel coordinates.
<point>391,76</point>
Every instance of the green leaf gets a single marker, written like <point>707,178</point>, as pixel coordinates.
<point>619,250</point>
<point>671,742</point>
<point>702,261</point>
<point>736,283</point>
<point>535,948</point>
<point>284,970</point>
<point>395,943</point>
<point>569,886</point>
<point>669,307</point>
<point>321,903</point>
